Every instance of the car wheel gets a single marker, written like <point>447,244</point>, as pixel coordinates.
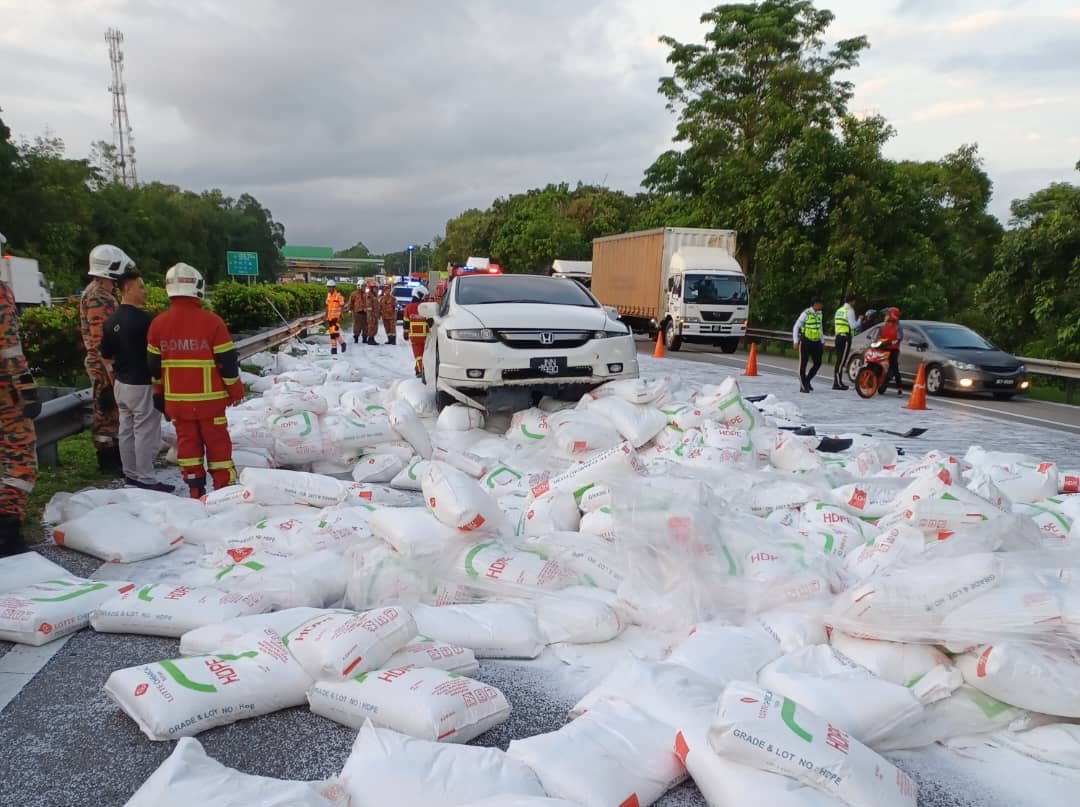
<point>672,341</point>
<point>935,380</point>
<point>853,366</point>
<point>1003,396</point>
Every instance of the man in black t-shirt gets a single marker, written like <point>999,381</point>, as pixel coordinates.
<point>124,341</point>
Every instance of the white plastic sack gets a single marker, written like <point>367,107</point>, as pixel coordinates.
<point>725,653</point>
<point>579,615</point>
<point>614,754</point>
<point>844,693</point>
<point>425,652</point>
<point>297,438</point>
<point>335,646</point>
<point>459,501</point>
<point>898,662</point>
<point>167,610</point>
<point>634,390</point>
<point>221,637</point>
<point>1056,744</point>
<point>637,423</point>
<point>466,461</point>
<point>388,768</point>
<point>19,571</point>
<point>556,511</point>
<point>761,729</point>
<point>114,535</point>
<point>182,697</point>
<point>42,612</point>
<point>189,777</point>
<point>490,630</point>
<point>412,531</point>
<point>377,468</point>
<point>459,418</point>
<point>492,563</point>
<point>407,423</point>
<point>422,702</point>
<point>966,711</point>
<point>350,430</point>
<point>605,466</point>
<point>411,475</point>
<point>315,580</point>
<point>418,396</point>
<point>1042,678</point>
<point>275,486</point>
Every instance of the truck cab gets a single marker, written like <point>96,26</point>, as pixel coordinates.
<point>706,299</point>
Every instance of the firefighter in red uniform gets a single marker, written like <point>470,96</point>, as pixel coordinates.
<point>418,329</point>
<point>195,373</point>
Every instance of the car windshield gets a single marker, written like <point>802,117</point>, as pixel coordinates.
<point>715,290</point>
<point>403,293</point>
<point>489,289</point>
<point>957,337</point>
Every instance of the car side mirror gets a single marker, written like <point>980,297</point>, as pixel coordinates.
<point>429,310</point>
<point>611,311</point>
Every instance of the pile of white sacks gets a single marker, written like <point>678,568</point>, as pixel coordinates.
<point>815,609</point>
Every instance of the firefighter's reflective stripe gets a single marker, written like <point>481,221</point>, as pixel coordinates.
<point>220,421</point>
<point>14,352</point>
<point>224,347</point>
<point>188,462</point>
<point>417,329</point>
<point>418,362</point>
<point>18,484</point>
<point>153,349</point>
<point>206,366</point>
<point>231,380</point>
<point>225,465</point>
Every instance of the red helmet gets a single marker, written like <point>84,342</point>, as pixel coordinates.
<point>892,314</point>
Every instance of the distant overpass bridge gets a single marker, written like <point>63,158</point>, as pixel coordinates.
<point>307,262</point>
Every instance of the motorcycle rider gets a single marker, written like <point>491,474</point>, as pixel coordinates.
<point>893,334</point>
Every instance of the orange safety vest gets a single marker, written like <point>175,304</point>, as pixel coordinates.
<point>334,303</point>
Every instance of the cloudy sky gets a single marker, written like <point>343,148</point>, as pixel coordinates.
<point>357,119</point>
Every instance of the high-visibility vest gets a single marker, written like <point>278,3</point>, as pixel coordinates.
<point>840,321</point>
<point>334,304</point>
<point>811,329</point>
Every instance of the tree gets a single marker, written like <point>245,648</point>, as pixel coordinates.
<point>357,250</point>
<point>1033,295</point>
<point>761,87</point>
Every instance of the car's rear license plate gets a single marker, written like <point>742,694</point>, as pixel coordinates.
<point>549,365</point>
<point>1006,382</point>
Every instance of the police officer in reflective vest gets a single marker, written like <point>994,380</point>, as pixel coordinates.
<point>195,373</point>
<point>418,329</point>
<point>809,339</point>
<point>846,324</point>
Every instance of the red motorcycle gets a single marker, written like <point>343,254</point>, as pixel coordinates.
<point>874,369</point>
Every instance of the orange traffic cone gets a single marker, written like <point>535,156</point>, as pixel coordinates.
<point>751,361</point>
<point>918,392</point>
<point>658,351</point>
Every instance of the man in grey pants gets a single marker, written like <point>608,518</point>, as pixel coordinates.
<point>124,341</point>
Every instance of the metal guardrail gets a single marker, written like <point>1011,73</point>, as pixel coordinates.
<point>66,411</point>
<point>1069,372</point>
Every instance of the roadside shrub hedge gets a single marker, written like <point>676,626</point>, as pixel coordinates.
<point>53,344</point>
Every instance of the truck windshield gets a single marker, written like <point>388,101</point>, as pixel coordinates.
<point>715,290</point>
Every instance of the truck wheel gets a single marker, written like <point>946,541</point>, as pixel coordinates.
<point>672,341</point>
<point>729,345</point>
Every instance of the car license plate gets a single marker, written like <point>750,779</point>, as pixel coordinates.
<point>549,365</point>
<point>1006,382</point>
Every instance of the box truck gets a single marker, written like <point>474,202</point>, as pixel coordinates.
<point>682,281</point>
<point>581,271</point>
<point>26,281</point>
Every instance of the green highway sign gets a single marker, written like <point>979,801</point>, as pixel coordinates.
<point>245,264</point>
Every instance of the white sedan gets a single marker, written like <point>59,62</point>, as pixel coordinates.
<point>531,331</point>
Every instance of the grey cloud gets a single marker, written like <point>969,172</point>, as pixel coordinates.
<point>1051,55</point>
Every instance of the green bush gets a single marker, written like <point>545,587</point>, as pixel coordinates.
<point>53,343</point>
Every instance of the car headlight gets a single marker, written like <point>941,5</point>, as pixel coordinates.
<point>618,330</point>
<point>960,365</point>
<point>1021,369</point>
<point>739,321</point>
<point>472,334</point>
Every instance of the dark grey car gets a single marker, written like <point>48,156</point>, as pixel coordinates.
<point>957,359</point>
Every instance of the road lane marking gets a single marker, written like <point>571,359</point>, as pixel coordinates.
<point>21,663</point>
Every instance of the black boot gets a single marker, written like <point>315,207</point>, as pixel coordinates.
<point>197,488</point>
<point>333,351</point>
<point>109,461</point>
<point>11,540</point>
<point>342,345</point>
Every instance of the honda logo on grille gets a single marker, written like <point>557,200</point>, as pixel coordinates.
<point>547,338</point>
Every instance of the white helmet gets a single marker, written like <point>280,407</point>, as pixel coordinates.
<point>109,262</point>
<point>184,281</point>
<point>331,283</point>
